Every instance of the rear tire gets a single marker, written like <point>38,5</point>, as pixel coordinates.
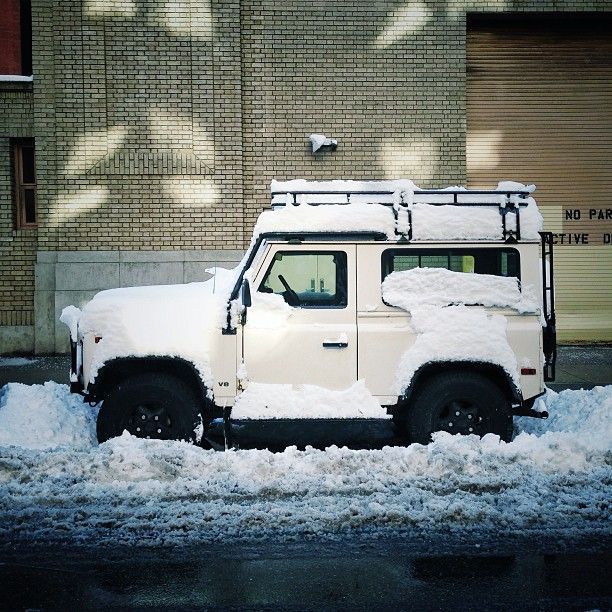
<point>459,403</point>
<point>152,405</point>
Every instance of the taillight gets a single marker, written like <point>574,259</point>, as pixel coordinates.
<point>528,371</point>
<point>97,339</point>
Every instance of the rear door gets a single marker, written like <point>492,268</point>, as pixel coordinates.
<point>301,327</point>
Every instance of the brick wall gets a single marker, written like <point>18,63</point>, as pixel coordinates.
<point>142,139</point>
<point>160,123</point>
<point>17,247</point>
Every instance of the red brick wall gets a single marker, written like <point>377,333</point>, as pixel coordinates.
<point>10,38</point>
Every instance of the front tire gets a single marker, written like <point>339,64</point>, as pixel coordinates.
<point>459,403</point>
<point>152,405</point>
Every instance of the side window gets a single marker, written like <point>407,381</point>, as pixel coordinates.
<point>499,262</point>
<point>308,279</point>
<point>24,183</point>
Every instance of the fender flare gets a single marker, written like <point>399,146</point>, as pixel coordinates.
<point>489,369</point>
<point>115,371</point>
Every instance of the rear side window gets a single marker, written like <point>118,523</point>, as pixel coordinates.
<point>308,279</point>
<point>499,262</point>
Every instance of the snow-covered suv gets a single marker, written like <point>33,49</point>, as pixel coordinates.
<point>355,300</point>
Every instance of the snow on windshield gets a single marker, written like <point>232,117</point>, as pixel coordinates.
<point>57,484</point>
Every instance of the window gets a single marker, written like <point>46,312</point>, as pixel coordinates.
<point>308,279</point>
<point>16,38</point>
<point>24,183</point>
<point>499,262</point>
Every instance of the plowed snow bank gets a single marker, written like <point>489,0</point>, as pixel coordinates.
<point>555,476</point>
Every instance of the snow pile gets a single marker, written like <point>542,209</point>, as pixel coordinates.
<point>263,401</point>
<point>170,320</point>
<point>410,289</point>
<point>554,483</point>
<point>268,311</point>
<point>455,333</point>
<point>587,413</point>
<point>358,217</point>
<point>45,416</point>
<point>557,484</point>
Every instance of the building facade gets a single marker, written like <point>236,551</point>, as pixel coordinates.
<point>157,126</point>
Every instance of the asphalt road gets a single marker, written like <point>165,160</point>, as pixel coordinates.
<point>399,574</point>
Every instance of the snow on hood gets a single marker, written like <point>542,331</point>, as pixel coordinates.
<point>409,289</point>
<point>552,479</point>
<point>168,320</point>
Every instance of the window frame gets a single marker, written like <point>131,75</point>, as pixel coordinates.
<point>20,187</point>
<point>341,276</point>
<point>388,254</point>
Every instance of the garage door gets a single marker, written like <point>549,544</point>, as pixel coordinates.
<point>539,110</point>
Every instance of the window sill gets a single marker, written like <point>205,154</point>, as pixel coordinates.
<point>15,82</point>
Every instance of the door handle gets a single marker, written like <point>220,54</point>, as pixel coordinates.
<point>334,344</point>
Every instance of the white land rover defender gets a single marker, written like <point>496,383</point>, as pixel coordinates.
<point>358,300</point>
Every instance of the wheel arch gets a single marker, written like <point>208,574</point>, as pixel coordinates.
<point>491,370</point>
<point>113,372</point>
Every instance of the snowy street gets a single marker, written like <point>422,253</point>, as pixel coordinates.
<point>57,484</point>
<point>479,519</point>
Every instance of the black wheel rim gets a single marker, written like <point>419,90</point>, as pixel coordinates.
<point>460,416</point>
<point>150,420</point>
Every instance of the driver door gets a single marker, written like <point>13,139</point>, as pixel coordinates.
<point>301,327</point>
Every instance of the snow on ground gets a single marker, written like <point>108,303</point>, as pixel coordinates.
<point>11,362</point>
<point>554,478</point>
<point>45,416</point>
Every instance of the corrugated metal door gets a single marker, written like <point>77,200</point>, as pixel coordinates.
<point>539,110</point>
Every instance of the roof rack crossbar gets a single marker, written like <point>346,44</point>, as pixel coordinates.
<point>512,202</point>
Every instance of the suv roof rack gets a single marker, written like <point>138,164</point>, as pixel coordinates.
<point>506,201</point>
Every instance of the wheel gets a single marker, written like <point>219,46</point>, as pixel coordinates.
<point>459,402</point>
<point>150,406</point>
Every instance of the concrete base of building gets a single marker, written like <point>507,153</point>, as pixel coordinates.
<point>16,339</point>
<point>74,277</point>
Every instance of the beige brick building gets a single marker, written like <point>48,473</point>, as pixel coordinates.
<point>158,125</point>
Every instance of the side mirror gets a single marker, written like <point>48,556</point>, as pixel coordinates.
<point>245,293</point>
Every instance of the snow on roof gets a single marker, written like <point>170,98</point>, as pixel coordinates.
<point>429,222</point>
<point>339,218</point>
<point>410,289</point>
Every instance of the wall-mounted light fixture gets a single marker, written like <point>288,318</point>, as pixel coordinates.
<point>321,143</point>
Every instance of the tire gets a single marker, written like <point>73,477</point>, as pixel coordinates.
<point>482,406</point>
<point>157,406</point>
